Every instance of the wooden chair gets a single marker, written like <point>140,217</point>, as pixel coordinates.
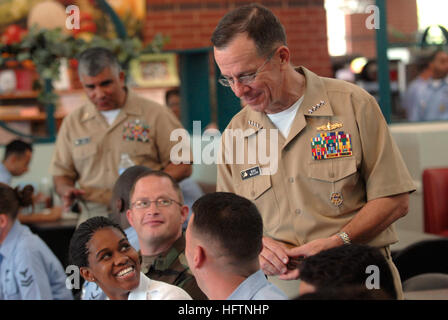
<point>435,199</point>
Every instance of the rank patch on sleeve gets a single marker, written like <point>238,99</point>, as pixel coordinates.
<point>136,131</point>
<point>328,145</point>
<point>27,279</point>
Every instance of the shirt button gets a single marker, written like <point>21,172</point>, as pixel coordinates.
<point>252,193</point>
<point>291,179</point>
<point>331,174</point>
<point>298,211</point>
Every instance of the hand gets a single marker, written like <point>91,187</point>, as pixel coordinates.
<point>69,194</point>
<point>309,249</point>
<point>273,257</point>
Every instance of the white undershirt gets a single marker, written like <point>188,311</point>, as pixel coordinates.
<point>110,115</point>
<point>283,120</point>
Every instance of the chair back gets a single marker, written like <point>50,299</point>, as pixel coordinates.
<point>435,200</point>
<point>426,281</point>
<point>427,256</point>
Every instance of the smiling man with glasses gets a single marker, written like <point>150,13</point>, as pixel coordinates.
<point>157,213</point>
<point>340,176</point>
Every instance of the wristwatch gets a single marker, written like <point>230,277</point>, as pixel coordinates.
<point>344,237</point>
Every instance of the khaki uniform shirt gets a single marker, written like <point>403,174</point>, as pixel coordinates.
<point>172,267</point>
<point>310,197</point>
<point>88,150</point>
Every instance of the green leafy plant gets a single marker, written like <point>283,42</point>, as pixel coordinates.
<point>45,48</point>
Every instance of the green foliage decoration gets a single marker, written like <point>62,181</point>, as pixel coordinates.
<point>45,48</point>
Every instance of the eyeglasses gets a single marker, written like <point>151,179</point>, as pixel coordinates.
<point>160,203</point>
<point>247,78</point>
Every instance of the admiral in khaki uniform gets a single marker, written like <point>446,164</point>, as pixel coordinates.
<point>115,121</point>
<point>340,176</point>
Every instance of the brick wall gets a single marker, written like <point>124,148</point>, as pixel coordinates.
<point>190,23</point>
<point>402,24</point>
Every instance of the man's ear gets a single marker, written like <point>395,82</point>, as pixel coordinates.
<point>12,158</point>
<point>122,77</point>
<point>284,55</point>
<point>184,213</point>
<point>3,220</point>
<point>200,256</point>
<point>87,274</point>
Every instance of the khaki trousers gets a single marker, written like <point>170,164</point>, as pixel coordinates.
<point>395,274</point>
<point>90,210</point>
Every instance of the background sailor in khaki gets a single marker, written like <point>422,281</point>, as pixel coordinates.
<point>115,121</point>
<point>340,177</point>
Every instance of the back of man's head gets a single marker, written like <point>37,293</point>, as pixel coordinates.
<point>260,24</point>
<point>171,92</point>
<point>233,225</point>
<point>422,62</point>
<point>17,147</point>
<point>439,63</point>
<point>120,194</point>
<point>173,101</point>
<point>347,265</point>
<point>93,61</point>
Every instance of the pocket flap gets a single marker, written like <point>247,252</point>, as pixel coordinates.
<point>136,148</point>
<point>253,188</point>
<point>84,151</point>
<point>332,170</point>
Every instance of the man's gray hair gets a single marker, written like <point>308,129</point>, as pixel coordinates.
<point>93,61</point>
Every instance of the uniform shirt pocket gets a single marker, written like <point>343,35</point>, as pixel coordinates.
<point>84,151</point>
<point>259,190</point>
<point>253,188</point>
<point>11,289</point>
<point>140,152</point>
<point>332,170</point>
<point>335,186</point>
<point>84,157</point>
